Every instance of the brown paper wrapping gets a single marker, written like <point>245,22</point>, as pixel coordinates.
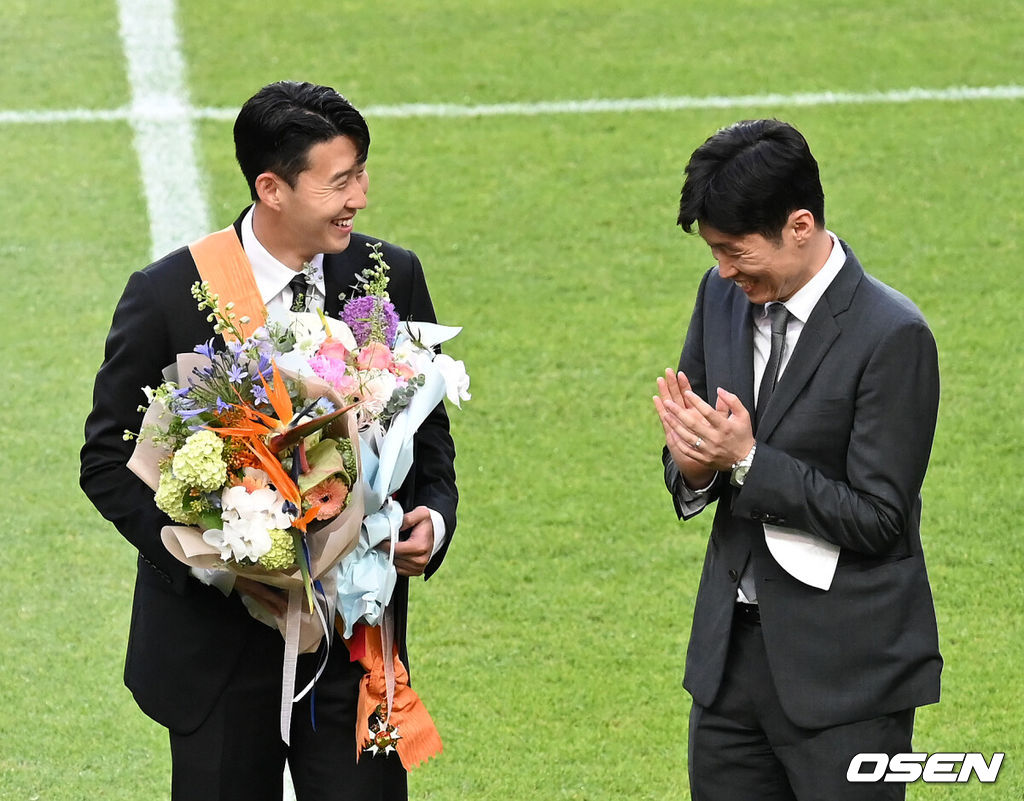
<point>328,541</point>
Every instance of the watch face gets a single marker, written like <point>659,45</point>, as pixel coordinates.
<point>739,475</point>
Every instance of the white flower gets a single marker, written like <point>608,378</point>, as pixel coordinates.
<point>407,352</point>
<point>264,502</point>
<point>309,332</point>
<point>376,388</point>
<point>456,379</point>
<point>240,540</point>
<point>248,518</point>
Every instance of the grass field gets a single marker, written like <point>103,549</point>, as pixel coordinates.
<point>549,648</point>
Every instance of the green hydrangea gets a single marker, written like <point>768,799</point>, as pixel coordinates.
<point>200,463</point>
<point>281,555</point>
<point>171,498</point>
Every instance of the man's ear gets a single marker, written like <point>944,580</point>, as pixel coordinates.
<point>269,188</point>
<point>801,226</point>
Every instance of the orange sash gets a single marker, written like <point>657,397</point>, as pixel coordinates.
<point>222,263</point>
<point>418,738</point>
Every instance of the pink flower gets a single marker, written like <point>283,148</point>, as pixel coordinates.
<point>336,374</point>
<point>403,370</point>
<point>374,356</point>
<point>330,494</point>
<point>333,349</point>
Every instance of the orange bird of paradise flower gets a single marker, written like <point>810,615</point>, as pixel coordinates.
<point>266,436</point>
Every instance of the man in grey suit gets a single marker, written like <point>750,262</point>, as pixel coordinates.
<point>804,405</point>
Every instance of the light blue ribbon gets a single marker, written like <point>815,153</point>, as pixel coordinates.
<point>367,576</point>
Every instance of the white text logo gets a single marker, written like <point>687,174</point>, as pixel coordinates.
<point>935,768</point>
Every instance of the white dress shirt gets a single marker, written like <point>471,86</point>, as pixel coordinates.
<point>800,306</point>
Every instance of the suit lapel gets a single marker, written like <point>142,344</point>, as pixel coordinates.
<point>741,351</point>
<point>340,270</point>
<point>815,341</point>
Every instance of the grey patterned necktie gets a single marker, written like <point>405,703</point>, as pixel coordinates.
<point>300,288</point>
<point>779,316</point>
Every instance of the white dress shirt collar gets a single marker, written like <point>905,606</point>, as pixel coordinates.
<point>271,275</point>
<point>803,301</point>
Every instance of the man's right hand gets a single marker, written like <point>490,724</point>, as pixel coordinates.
<point>678,419</point>
<point>272,599</point>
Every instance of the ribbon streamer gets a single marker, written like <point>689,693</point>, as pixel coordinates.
<point>419,738</point>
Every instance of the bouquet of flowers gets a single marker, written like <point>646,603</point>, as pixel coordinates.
<point>277,457</point>
<point>257,465</point>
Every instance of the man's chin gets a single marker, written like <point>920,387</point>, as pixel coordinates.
<point>339,243</point>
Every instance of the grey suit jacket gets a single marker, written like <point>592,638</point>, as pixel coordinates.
<point>842,450</point>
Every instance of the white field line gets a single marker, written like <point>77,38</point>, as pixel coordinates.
<point>154,113</point>
<point>163,124</point>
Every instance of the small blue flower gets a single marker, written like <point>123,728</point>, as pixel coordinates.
<point>222,406</point>
<point>236,375</point>
<point>259,394</point>
<point>206,349</point>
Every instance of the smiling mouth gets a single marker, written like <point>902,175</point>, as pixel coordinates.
<point>344,224</point>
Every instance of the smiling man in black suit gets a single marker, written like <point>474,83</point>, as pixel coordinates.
<point>197,662</point>
<point>805,405</point>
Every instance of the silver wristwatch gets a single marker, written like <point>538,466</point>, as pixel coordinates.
<point>740,468</point>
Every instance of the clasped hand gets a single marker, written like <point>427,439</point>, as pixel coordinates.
<point>701,439</point>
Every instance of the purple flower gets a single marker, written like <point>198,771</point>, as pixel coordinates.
<point>236,374</point>
<point>259,394</point>
<point>358,315</point>
<point>205,349</point>
<point>390,319</point>
<point>222,406</point>
<point>371,317</point>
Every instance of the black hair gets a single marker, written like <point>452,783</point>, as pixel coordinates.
<point>748,178</point>
<point>278,125</point>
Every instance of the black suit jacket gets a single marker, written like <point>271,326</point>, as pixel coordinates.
<point>185,637</point>
<point>842,450</point>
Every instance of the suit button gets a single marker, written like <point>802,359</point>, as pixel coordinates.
<point>733,575</point>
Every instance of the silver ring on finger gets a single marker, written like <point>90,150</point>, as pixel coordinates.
<point>698,443</point>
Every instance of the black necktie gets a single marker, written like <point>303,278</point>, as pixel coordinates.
<point>779,315</point>
<point>299,287</point>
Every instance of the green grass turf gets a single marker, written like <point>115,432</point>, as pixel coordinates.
<point>549,648</point>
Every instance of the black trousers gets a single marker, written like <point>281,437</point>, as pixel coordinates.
<point>744,748</point>
<point>238,753</point>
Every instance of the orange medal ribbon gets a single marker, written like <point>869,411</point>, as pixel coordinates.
<point>410,730</point>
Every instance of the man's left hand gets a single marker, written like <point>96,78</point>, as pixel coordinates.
<point>413,553</point>
<point>724,432</point>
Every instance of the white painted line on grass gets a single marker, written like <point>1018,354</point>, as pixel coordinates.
<point>621,105</point>
<point>162,121</point>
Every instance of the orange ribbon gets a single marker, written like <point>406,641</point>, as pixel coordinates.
<point>222,262</point>
<point>418,738</point>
